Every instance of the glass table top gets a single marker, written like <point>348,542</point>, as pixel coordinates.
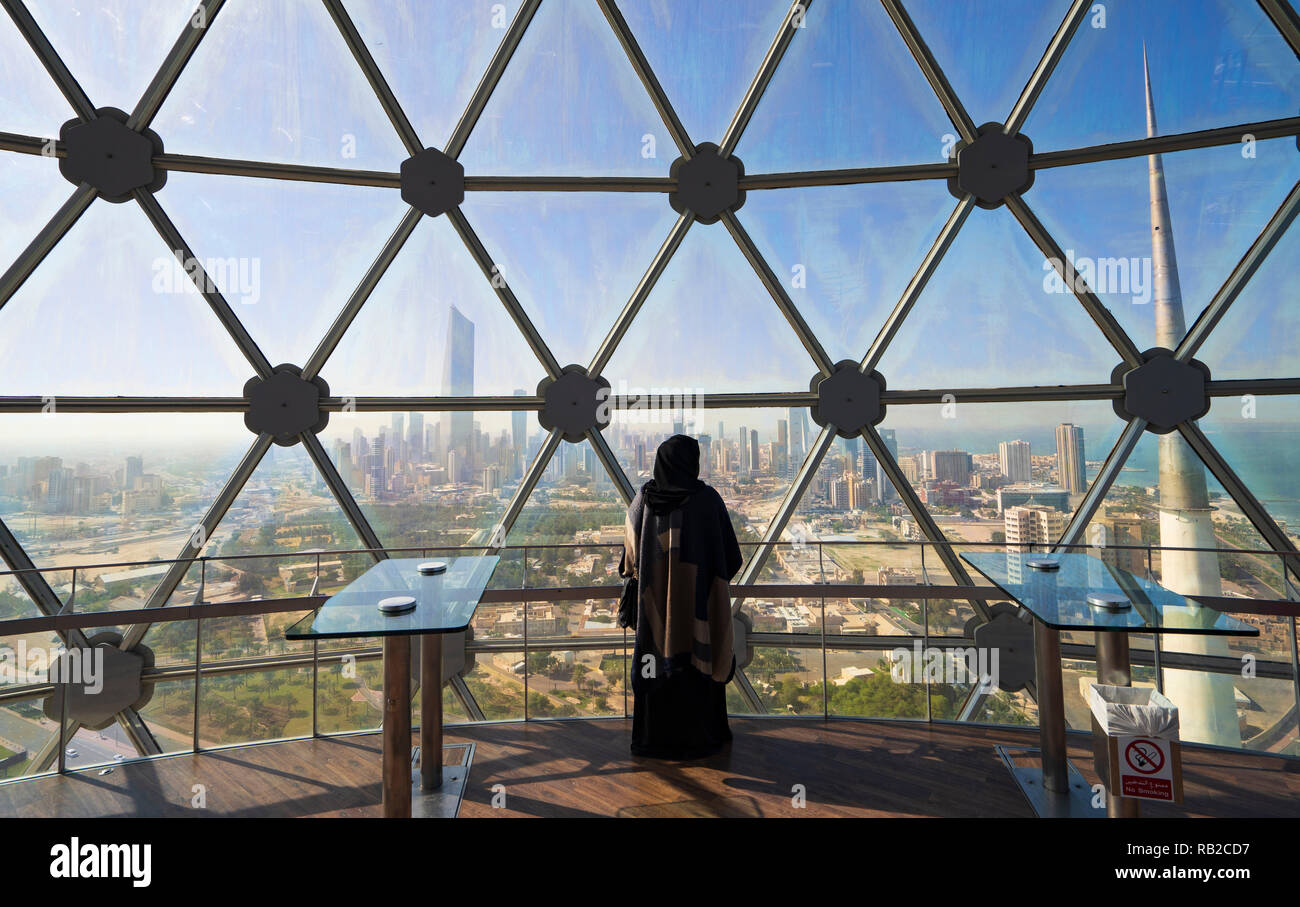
<point>1059,598</point>
<point>444,602</point>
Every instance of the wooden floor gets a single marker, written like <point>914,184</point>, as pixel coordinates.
<point>582,768</point>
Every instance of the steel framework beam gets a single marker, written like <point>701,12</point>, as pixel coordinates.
<point>525,490</point>
<point>342,494</point>
<point>483,92</point>
<point>660,261</point>
<point>378,268</point>
<point>203,283</point>
<point>1078,286</point>
<point>57,227</point>
<point>930,68</point>
<point>912,292</point>
<point>1249,504</point>
<point>1284,16</point>
<point>175,61</point>
<point>611,464</point>
<point>789,25</point>
<point>49,58</point>
<point>203,531</point>
<point>924,521</point>
<point>646,74</point>
<point>361,53</point>
<point>778,293</point>
<point>499,285</point>
<point>1101,485</point>
<point>1051,56</point>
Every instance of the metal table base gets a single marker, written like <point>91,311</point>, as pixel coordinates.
<point>397,773</point>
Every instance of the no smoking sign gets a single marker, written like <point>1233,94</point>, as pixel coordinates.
<point>1146,771</point>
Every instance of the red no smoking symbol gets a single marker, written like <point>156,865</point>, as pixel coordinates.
<point>1144,756</point>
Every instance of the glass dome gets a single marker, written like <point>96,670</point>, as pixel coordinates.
<point>311,280</point>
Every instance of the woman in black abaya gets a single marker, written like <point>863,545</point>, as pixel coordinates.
<point>680,547</point>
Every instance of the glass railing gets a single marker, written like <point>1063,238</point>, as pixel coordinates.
<point>828,623</point>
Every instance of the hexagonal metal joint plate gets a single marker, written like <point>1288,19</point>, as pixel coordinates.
<point>1162,390</point>
<point>992,167</point>
<point>707,184</point>
<point>1010,632</point>
<point>99,681</point>
<point>848,398</point>
<point>432,182</point>
<point>285,405</point>
<point>111,156</point>
<point>574,403</point>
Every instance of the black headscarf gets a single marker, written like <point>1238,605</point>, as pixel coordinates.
<point>676,475</point>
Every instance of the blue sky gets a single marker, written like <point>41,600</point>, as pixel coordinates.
<point>275,82</point>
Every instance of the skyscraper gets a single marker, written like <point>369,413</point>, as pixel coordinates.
<point>415,438</point>
<point>885,488</point>
<point>519,435</point>
<point>1071,467</point>
<point>458,381</point>
<point>798,435</point>
<point>1014,460</point>
<point>1206,702</point>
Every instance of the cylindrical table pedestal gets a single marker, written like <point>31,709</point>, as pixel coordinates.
<point>397,727</point>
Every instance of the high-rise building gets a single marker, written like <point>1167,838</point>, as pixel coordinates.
<point>519,436</point>
<point>1014,460</point>
<point>1028,525</point>
<point>134,469</point>
<point>885,491</point>
<point>1071,467</point>
<point>753,450</point>
<point>950,466</point>
<point>458,381</point>
<point>415,438</point>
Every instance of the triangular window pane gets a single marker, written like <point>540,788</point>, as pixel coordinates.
<point>846,253</point>
<point>993,295</point>
<point>569,103</point>
<point>706,56</point>
<point>111,311</point>
<point>709,326</point>
<point>433,327</point>
<point>276,82</point>
<point>573,259</point>
<point>286,255</point>
<point>847,94</point>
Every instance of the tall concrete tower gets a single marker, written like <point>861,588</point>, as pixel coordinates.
<point>1206,702</point>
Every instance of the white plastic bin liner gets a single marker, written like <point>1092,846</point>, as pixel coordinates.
<point>1133,711</point>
